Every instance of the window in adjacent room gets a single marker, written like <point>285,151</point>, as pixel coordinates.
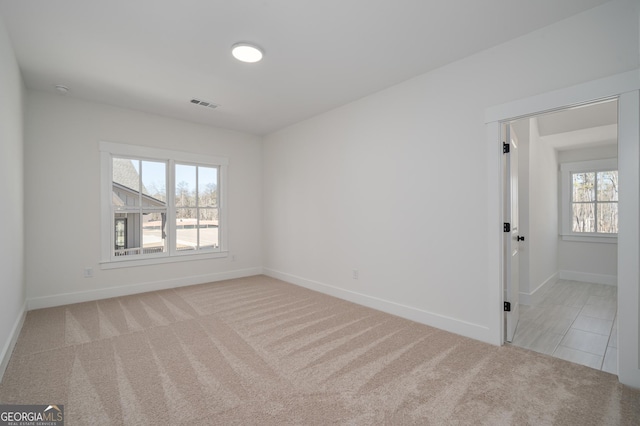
<point>595,202</point>
<point>590,199</point>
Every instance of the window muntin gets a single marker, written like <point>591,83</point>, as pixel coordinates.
<point>594,202</point>
<point>140,186</point>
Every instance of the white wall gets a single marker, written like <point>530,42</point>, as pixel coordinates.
<point>589,153</point>
<point>543,210</point>
<point>545,257</point>
<point>12,285</point>
<point>538,202</point>
<point>62,198</point>
<point>395,184</point>
<point>591,262</point>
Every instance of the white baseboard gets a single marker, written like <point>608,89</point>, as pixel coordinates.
<point>533,298</point>
<point>7,350</point>
<point>106,293</point>
<point>463,328</point>
<point>589,278</point>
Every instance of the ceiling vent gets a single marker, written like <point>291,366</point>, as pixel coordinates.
<point>204,103</point>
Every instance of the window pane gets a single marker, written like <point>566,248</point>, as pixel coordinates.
<point>608,218</point>
<point>154,178</point>
<point>185,185</point>
<point>207,186</point>
<point>608,186</point>
<point>126,183</point>
<point>208,228</point>
<point>584,217</point>
<point>153,235</point>
<point>186,232</point>
<point>583,186</point>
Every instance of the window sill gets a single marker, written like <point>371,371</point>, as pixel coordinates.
<point>592,238</point>
<point>115,264</point>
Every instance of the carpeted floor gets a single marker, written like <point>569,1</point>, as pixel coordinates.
<point>258,351</point>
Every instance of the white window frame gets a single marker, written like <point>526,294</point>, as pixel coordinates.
<point>108,150</point>
<point>173,249</point>
<point>566,210</point>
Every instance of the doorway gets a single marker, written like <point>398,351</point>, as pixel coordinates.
<point>567,236</point>
<point>625,87</point>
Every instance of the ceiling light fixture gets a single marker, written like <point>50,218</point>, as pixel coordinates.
<point>247,52</point>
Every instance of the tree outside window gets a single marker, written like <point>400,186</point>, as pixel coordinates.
<point>594,201</point>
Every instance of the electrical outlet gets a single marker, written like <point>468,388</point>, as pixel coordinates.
<point>88,272</point>
<point>354,274</point>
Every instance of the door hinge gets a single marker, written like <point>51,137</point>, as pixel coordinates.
<point>507,306</point>
<point>505,148</point>
<point>507,227</point>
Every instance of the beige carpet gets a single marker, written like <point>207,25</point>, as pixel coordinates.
<point>258,351</point>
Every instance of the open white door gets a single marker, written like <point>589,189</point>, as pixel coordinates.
<point>511,228</point>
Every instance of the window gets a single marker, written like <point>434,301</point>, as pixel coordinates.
<point>139,185</point>
<point>590,200</point>
<point>196,207</point>
<point>139,204</point>
<point>594,202</point>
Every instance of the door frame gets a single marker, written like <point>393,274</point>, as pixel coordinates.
<point>625,87</point>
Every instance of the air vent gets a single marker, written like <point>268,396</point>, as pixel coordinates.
<point>204,103</point>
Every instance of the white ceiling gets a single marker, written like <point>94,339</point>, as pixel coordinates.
<point>583,117</point>
<point>589,125</point>
<point>155,56</point>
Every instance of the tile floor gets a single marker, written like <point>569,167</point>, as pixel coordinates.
<point>574,321</point>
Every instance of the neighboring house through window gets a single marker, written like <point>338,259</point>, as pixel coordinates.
<point>120,233</point>
<point>138,185</point>
<point>139,205</point>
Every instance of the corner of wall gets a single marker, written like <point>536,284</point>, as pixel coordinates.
<point>10,343</point>
<point>535,296</point>
<point>12,254</point>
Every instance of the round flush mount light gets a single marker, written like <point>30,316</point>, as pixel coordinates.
<point>246,52</point>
